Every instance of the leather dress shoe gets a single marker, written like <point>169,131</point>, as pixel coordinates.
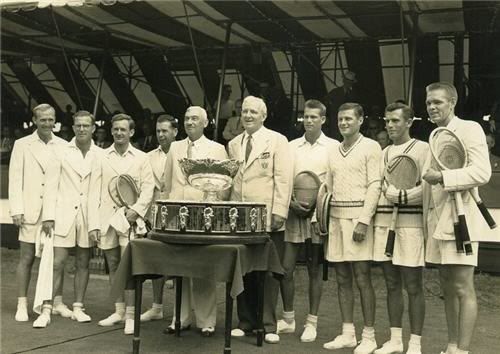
<point>207,331</point>
<point>171,329</point>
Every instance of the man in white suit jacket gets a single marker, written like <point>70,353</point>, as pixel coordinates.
<point>195,146</point>
<point>166,131</point>
<point>456,269</point>
<point>70,208</point>
<point>31,157</point>
<point>122,158</point>
<point>266,177</point>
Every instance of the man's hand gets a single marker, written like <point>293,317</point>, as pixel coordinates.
<point>359,233</point>
<point>277,222</point>
<point>300,208</point>
<point>433,176</point>
<point>95,235</point>
<point>47,226</point>
<point>315,227</point>
<point>131,216</point>
<point>18,219</point>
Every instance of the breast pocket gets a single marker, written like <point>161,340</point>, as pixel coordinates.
<point>265,163</point>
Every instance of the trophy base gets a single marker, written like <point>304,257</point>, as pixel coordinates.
<point>208,239</point>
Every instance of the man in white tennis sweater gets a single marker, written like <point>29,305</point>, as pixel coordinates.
<point>353,178</point>
<point>406,265</point>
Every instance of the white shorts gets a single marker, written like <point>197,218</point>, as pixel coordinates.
<point>342,248</point>
<point>445,252</point>
<point>408,247</point>
<point>113,239</point>
<point>27,232</point>
<point>78,235</point>
<point>298,230</point>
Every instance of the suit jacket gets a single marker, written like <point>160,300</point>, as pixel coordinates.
<point>436,200</point>
<point>139,168</point>
<point>267,175</point>
<point>157,159</point>
<point>176,184</point>
<point>71,185</point>
<point>28,165</point>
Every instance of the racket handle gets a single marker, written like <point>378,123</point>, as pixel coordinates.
<point>464,233</point>
<point>389,245</point>
<point>458,238</point>
<point>486,214</point>
<point>459,242</point>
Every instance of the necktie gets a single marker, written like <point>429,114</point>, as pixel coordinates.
<point>190,150</point>
<point>248,149</point>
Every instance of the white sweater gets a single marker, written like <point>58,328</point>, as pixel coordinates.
<point>410,200</point>
<point>354,179</point>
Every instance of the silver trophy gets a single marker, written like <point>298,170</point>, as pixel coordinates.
<point>209,176</point>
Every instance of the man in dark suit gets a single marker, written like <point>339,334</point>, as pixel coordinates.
<point>335,98</point>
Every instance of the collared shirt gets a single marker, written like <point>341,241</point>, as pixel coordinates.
<point>84,162</point>
<point>198,149</point>
<point>256,137</point>
<point>126,160</point>
<point>312,157</point>
<point>48,149</point>
<point>162,157</point>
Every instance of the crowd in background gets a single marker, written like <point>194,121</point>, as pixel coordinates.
<point>281,118</point>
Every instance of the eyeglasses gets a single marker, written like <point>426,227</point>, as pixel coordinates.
<point>82,126</point>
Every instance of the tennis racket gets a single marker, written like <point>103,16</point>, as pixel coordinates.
<point>402,172</point>
<point>323,216</point>
<point>124,192</point>
<point>449,153</point>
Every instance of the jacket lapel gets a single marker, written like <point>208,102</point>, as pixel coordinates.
<point>40,155</point>
<point>258,148</point>
<point>157,166</point>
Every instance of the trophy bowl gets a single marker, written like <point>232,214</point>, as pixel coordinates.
<point>209,176</point>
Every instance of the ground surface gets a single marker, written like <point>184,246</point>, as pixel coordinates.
<point>66,336</point>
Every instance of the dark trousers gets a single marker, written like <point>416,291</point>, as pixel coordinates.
<point>247,300</point>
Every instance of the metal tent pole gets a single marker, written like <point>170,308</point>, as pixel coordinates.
<point>222,77</point>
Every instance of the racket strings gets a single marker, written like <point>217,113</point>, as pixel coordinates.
<point>127,190</point>
<point>402,173</point>
<point>449,152</point>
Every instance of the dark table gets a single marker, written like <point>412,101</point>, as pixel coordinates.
<point>147,259</point>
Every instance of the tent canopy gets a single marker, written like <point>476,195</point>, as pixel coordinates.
<point>89,26</point>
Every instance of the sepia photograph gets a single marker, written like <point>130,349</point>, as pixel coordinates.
<point>250,176</point>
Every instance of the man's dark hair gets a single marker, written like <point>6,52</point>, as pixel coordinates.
<point>358,109</point>
<point>407,111</point>
<point>123,116</point>
<point>167,118</point>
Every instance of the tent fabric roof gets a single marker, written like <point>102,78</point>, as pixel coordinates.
<point>85,26</point>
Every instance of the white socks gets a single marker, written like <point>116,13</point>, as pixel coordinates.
<point>289,316</point>
<point>157,307</point>
<point>57,300</point>
<point>120,308</point>
<point>451,348</point>
<point>348,329</point>
<point>460,351</point>
<point>368,333</point>
<point>129,312</point>
<point>396,334</point>
<point>311,319</point>
<point>22,309</point>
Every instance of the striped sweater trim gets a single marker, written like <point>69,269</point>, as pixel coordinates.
<point>347,203</point>
<point>402,209</point>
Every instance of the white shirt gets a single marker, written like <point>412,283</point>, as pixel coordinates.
<point>124,160</point>
<point>198,149</point>
<point>312,157</point>
<point>256,137</point>
<point>84,162</point>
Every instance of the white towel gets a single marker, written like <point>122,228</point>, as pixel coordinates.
<point>120,223</point>
<point>44,248</point>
